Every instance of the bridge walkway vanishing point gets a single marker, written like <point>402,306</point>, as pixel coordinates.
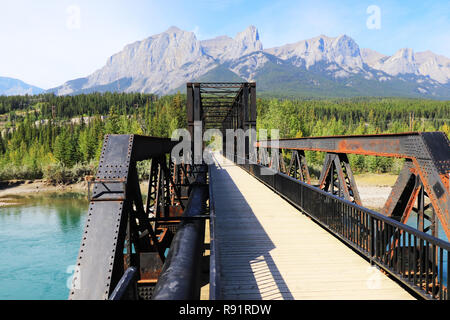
<point>268,249</point>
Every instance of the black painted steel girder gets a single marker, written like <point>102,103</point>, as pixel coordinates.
<point>116,213</point>
<point>221,106</point>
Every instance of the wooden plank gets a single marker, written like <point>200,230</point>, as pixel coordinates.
<point>269,250</point>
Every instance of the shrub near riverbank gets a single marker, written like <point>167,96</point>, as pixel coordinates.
<point>53,173</point>
<point>25,172</point>
<point>59,173</point>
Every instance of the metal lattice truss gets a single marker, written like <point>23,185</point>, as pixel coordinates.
<point>222,105</point>
<point>218,101</point>
<point>422,186</point>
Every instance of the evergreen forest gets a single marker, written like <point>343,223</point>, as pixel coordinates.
<point>59,138</point>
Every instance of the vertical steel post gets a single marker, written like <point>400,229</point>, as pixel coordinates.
<point>252,114</point>
<point>190,115</point>
<point>197,139</point>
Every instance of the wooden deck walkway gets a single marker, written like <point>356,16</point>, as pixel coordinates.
<point>270,250</point>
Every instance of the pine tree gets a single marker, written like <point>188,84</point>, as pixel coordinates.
<point>60,148</point>
<point>112,124</point>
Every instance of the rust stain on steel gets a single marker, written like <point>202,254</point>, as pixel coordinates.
<point>150,266</point>
<point>175,211</point>
<point>410,204</point>
<point>386,147</point>
<point>445,180</point>
<point>380,135</point>
<point>387,205</point>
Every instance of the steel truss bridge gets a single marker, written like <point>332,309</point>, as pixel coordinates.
<point>272,234</point>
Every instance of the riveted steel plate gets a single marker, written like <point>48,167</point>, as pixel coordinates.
<point>98,250</point>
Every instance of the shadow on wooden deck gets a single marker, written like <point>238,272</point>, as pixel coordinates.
<point>247,268</point>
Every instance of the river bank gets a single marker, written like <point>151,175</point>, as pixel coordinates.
<point>374,189</point>
<point>12,191</point>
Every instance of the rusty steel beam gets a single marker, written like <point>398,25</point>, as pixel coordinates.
<point>401,145</point>
<point>428,153</point>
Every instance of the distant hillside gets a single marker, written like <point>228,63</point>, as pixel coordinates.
<point>11,87</point>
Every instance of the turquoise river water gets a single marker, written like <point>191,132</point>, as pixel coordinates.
<point>39,241</point>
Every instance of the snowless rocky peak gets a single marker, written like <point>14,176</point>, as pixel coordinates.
<point>401,62</point>
<point>341,50</point>
<point>405,54</point>
<point>405,61</point>
<point>158,59</point>
<point>435,66</point>
<point>345,52</point>
<point>248,41</point>
<point>166,61</point>
<point>174,44</point>
<point>371,57</point>
<point>225,48</point>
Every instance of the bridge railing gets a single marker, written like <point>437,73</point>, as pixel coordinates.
<point>214,267</point>
<point>418,260</point>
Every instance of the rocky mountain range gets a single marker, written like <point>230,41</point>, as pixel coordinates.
<point>11,87</point>
<point>321,66</point>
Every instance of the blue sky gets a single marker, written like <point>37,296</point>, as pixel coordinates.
<point>48,42</point>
